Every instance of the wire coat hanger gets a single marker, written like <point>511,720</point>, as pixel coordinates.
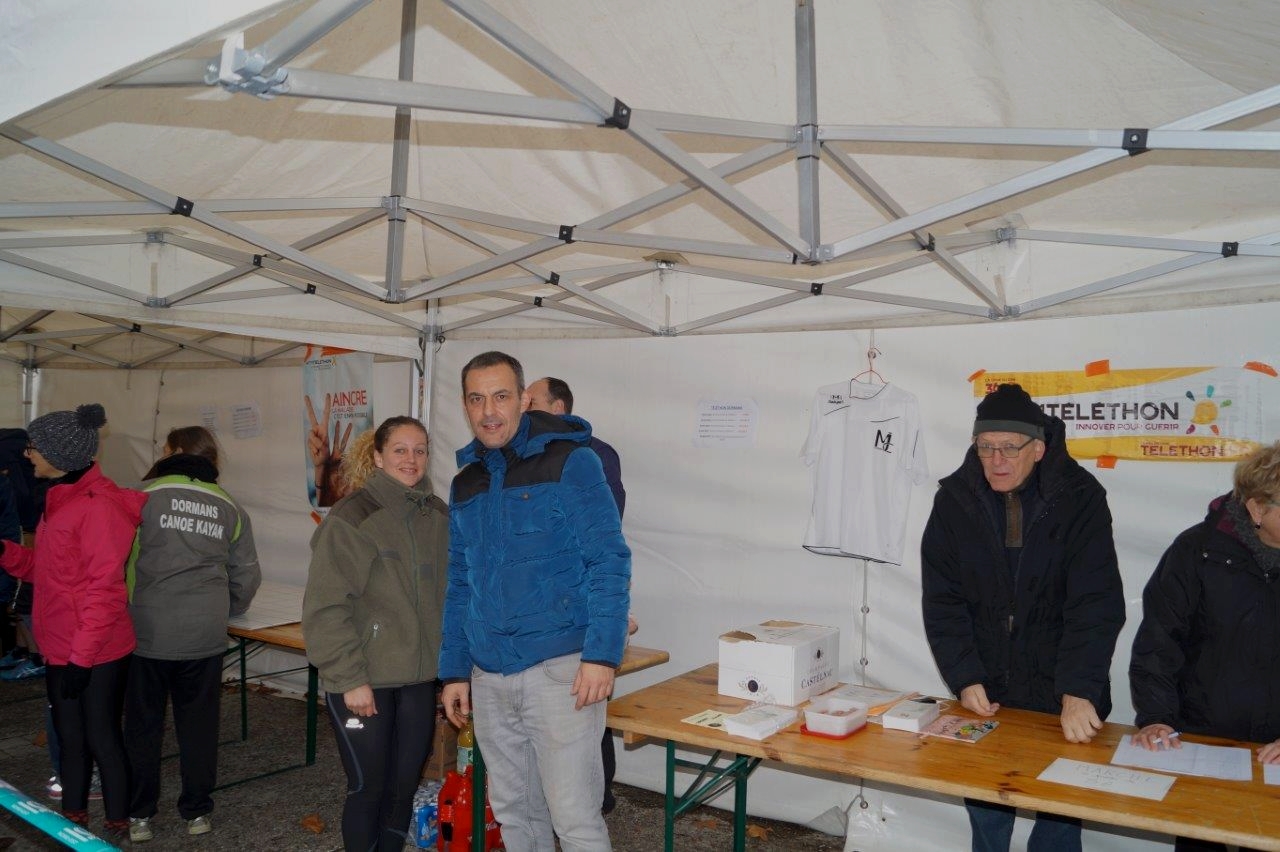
<point>870,372</point>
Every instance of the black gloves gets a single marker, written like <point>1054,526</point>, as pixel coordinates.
<point>74,680</point>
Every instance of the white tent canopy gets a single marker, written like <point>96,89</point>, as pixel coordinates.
<point>459,169</point>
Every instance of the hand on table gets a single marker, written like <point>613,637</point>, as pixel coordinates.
<point>360,700</point>
<point>1269,753</point>
<point>1079,719</point>
<point>1156,737</point>
<point>592,683</point>
<point>974,698</point>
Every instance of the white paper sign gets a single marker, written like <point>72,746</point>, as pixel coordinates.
<point>274,604</point>
<point>1231,764</point>
<point>246,420</point>
<point>726,423</point>
<point>1109,779</point>
<point>209,417</point>
<point>1271,773</point>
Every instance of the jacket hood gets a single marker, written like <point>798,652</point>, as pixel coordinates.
<point>94,484</point>
<point>536,430</point>
<point>1050,472</point>
<point>184,464</point>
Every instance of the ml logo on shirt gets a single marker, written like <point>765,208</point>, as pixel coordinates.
<point>884,441</point>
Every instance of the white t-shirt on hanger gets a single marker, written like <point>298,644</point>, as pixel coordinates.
<point>867,451</point>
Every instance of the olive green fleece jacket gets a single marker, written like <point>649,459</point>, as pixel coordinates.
<point>375,589</point>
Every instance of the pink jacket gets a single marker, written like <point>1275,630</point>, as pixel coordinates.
<point>80,611</point>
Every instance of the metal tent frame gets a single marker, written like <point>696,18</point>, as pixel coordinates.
<point>779,264</point>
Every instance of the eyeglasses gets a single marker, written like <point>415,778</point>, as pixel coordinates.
<point>986,451</point>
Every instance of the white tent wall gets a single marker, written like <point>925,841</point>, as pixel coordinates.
<point>715,533</point>
<point>10,396</point>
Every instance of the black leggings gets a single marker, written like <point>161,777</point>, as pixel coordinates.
<point>383,755</point>
<point>89,732</point>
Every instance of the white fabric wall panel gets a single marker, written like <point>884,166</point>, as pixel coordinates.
<point>10,396</point>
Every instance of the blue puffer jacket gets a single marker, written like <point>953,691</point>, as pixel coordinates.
<point>538,567</point>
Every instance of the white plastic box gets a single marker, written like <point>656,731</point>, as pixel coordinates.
<point>779,662</point>
<point>835,717</point>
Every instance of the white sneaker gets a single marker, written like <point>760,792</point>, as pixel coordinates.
<point>199,825</point>
<point>54,788</point>
<point>140,829</point>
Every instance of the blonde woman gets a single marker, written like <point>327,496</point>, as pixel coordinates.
<point>371,621</point>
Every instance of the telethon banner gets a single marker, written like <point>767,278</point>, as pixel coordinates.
<point>339,404</point>
<point>1217,414</point>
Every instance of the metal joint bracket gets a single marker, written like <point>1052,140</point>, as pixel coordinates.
<point>1013,311</point>
<point>554,279</point>
<point>157,302</point>
<point>135,328</point>
<point>155,237</point>
<point>257,260</point>
<point>806,141</point>
<point>825,252</point>
<point>1230,249</point>
<point>621,117</point>
<point>311,290</point>
<point>566,233</point>
<point>932,245</point>
<point>666,331</point>
<point>183,206</point>
<point>537,301</point>
<point>394,297</point>
<point>1006,235</point>
<point>815,289</point>
<point>1135,140</point>
<point>238,70</point>
<point>391,203</point>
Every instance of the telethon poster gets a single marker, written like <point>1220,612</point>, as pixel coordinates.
<point>337,406</point>
<point>1202,414</point>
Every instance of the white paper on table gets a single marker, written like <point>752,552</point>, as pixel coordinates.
<point>1271,773</point>
<point>1109,779</point>
<point>273,605</point>
<point>1226,762</point>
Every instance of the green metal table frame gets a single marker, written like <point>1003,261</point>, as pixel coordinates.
<point>313,691</point>
<point>712,780</point>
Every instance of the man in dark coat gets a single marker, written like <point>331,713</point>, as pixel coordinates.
<point>1022,597</point>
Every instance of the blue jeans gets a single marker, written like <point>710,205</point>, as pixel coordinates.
<point>542,756</point>
<point>993,826</point>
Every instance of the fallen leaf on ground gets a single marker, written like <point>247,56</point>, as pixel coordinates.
<point>313,823</point>
<point>707,823</point>
<point>758,832</point>
<point>40,740</point>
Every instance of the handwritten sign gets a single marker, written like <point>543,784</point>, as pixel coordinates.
<point>1108,779</point>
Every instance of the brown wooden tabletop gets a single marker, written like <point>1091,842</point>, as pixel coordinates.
<point>1003,767</point>
<point>283,635</point>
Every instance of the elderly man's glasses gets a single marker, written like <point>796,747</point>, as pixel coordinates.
<point>1009,451</point>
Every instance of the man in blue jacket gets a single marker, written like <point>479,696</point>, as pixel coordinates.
<point>1022,594</point>
<point>535,618</point>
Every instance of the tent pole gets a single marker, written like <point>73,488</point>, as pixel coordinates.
<point>808,150</point>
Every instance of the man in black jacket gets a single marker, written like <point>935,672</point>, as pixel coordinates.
<point>1022,594</point>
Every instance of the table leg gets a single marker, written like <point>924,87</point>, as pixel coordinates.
<point>669,821</point>
<point>313,695</point>
<point>244,694</point>
<point>742,770</point>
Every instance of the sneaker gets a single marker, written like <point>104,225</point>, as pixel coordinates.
<point>140,829</point>
<point>22,671</point>
<point>54,789</point>
<point>199,825</point>
<point>11,659</point>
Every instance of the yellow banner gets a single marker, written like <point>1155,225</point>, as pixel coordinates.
<point>1157,413</point>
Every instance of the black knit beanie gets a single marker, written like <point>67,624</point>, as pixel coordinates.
<point>1009,408</point>
<point>68,440</point>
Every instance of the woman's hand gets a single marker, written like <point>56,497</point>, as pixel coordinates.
<point>360,701</point>
<point>1269,753</point>
<point>1156,737</point>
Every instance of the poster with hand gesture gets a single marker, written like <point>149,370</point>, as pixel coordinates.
<point>337,405</point>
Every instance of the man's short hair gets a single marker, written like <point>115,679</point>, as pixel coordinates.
<point>558,390</point>
<point>494,359</point>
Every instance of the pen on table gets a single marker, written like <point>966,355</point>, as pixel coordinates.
<point>1166,738</point>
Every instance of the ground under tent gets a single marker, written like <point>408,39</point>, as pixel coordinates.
<point>911,186</point>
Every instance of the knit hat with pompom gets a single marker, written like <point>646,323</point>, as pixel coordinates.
<point>68,440</point>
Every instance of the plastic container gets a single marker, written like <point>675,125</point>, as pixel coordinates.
<point>836,717</point>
